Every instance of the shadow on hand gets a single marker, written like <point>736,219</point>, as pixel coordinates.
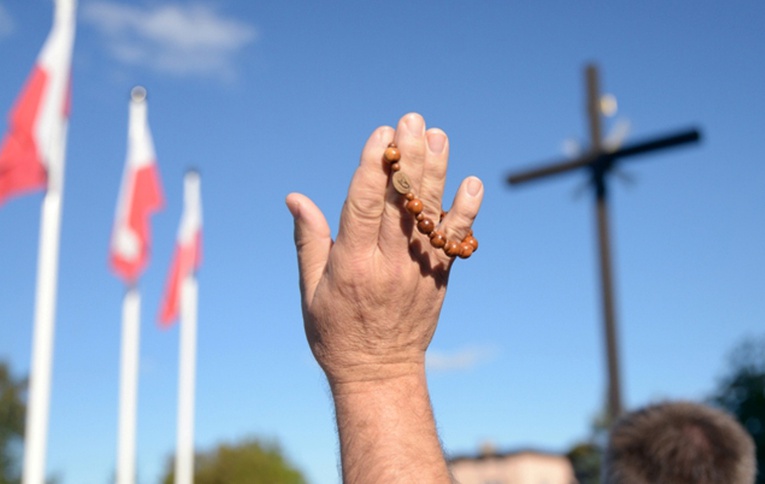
<point>422,253</point>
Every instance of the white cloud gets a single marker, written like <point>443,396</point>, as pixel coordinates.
<point>179,39</point>
<point>6,22</point>
<point>462,359</point>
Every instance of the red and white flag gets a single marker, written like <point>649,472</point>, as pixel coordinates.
<point>140,196</point>
<point>30,153</point>
<point>188,249</point>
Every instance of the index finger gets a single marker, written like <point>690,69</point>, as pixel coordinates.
<point>363,209</point>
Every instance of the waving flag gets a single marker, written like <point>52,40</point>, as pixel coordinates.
<point>37,123</point>
<point>140,195</point>
<point>188,249</point>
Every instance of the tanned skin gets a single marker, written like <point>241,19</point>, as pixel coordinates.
<point>371,301</point>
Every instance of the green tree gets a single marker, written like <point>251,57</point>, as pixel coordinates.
<point>247,462</point>
<point>12,415</point>
<point>586,456</point>
<point>742,392</point>
<point>586,460</point>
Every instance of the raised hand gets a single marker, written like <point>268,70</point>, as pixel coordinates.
<point>371,301</point>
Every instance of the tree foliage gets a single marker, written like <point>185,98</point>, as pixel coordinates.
<point>12,415</point>
<point>246,462</point>
<point>586,458</point>
<point>742,392</point>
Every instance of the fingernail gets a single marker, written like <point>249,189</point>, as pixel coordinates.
<point>473,186</point>
<point>294,209</point>
<point>415,125</point>
<point>436,141</point>
<point>382,133</point>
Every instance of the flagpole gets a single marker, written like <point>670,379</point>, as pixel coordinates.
<point>184,459</point>
<point>131,329</point>
<point>180,298</point>
<point>36,434</point>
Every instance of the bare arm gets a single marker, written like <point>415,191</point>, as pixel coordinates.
<point>371,301</point>
<point>387,432</point>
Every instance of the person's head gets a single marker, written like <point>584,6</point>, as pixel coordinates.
<point>679,443</point>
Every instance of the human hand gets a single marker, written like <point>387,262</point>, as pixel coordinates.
<point>371,299</point>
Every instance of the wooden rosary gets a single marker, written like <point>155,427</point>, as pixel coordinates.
<point>415,207</point>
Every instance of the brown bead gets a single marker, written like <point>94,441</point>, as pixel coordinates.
<point>392,154</point>
<point>472,241</point>
<point>452,248</point>
<point>414,206</point>
<point>426,226</point>
<point>437,239</point>
<point>466,250</point>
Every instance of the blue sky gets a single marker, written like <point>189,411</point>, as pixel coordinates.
<point>265,98</point>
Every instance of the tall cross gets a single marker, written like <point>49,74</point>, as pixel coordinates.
<point>600,160</point>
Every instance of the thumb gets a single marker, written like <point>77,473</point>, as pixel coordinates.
<point>312,241</point>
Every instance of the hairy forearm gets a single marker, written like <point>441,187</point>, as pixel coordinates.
<point>387,431</point>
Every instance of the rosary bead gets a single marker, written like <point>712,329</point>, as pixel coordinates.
<point>437,239</point>
<point>401,183</point>
<point>452,248</point>
<point>392,154</point>
<point>414,206</point>
<point>426,226</point>
<point>466,250</point>
<point>472,241</point>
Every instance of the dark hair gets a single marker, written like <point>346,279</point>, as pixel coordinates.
<point>679,443</point>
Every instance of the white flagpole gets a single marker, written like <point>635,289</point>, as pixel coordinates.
<point>184,459</point>
<point>35,437</point>
<point>131,329</point>
<point>36,434</point>
<point>52,141</point>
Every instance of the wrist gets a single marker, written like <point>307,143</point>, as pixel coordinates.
<point>357,373</point>
<point>387,377</point>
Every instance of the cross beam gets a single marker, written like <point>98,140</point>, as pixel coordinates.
<point>600,161</point>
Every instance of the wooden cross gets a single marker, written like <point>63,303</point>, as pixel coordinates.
<point>600,160</point>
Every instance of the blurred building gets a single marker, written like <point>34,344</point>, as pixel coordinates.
<point>519,467</point>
